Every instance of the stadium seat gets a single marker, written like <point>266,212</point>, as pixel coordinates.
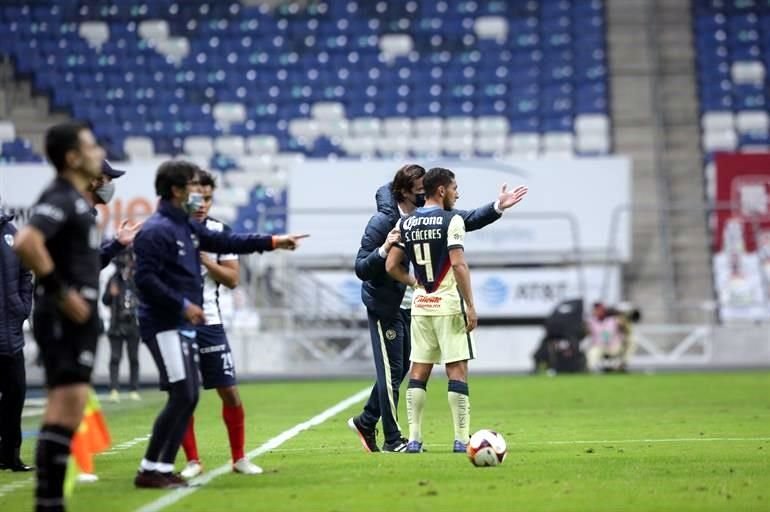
<point>491,27</point>
<point>428,126</point>
<point>7,131</point>
<point>200,146</point>
<point>397,126</point>
<point>230,145</point>
<point>262,144</point>
<point>717,120</point>
<point>95,32</point>
<point>722,140</point>
<point>153,30</point>
<point>752,121</point>
<point>138,147</point>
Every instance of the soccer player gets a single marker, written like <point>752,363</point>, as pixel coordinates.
<point>168,279</point>
<point>216,360</point>
<point>388,302</point>
<point>443,312</point>
<point>60,244</point>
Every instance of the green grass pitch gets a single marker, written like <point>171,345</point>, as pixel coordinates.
<point>675,442</point>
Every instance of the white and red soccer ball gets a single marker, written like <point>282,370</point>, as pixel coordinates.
<point>486,448</point>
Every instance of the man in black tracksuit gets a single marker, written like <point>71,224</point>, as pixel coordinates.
<point>15,306</point>
<point>388,303</point>
<point>168,279</point>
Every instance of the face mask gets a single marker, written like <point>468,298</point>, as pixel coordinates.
<point>419,200</point>
<point>106,192</point>
<point>194,202</point>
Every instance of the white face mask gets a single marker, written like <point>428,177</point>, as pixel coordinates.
<point>106,192</point>
<point>194,202</point>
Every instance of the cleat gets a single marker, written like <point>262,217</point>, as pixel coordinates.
<point>192,469</point>
<point>368,437</point>
<point>87,478</point>
<point>459,447</point>
<point>114,396</point>
<point>397,446</point>
<point>155,480</point>
<point>134,396</point>
<point>414,447</point>
<point>245,467</point>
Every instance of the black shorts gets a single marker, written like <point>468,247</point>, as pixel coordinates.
<point>67,349</point>
<point>216,360</point>
<point>175,353</point>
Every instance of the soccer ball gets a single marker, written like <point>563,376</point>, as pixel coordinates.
<point>486,448</point>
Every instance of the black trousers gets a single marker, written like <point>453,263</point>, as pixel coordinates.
<point>391,347</point>
<point>131,341</point>
<point>13,388</point>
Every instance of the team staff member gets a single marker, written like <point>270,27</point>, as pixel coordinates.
<point>15,306</point>
<point>60,244</point>
<point>387,304</point>
<point>168,279</point>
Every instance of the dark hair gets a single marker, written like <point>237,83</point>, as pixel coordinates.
<point>60,139</point>
<point>207,179</point>
<point>405,178</point>
<point>435,178</point>
<point>174,173</point>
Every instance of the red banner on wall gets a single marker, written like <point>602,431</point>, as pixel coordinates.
<point>741,259</point>
<point>742,180</point>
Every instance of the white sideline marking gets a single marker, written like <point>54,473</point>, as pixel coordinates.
<point>438,446</point>
<point>177,494</point>
<point>15,486</point>
<point>125,446</point>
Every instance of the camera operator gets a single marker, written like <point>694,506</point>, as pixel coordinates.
<point>610,338</point>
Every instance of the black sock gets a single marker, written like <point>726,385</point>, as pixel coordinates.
<point>53,449</point>
<point>415,383</point>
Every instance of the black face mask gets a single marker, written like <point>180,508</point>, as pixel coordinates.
<point>419,200</point>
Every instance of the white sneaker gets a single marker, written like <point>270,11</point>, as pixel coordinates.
<point>134,396</point>
<point>114,396</point>
<point>246,467</point>
<point>191,470</point>
<point>87,478</point>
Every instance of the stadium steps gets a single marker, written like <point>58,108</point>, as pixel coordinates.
<point>29,112</point>
<point>634,72</point>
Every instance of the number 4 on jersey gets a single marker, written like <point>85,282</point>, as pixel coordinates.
<point>422,257</point>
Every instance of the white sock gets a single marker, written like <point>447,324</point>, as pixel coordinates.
<point>415,405</point>
<point>147,465</point>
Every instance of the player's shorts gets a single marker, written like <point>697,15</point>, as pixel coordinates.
<point>216,360</point>
<point>441,339</point>
<point>176,355</point>
<point>67,349</point>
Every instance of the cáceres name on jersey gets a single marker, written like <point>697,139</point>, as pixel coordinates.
<point>427,236</point>
<point>64,218</point>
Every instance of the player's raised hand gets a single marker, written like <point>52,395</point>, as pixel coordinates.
<point>506,199</point>
<point>288,242</point>
<point>127,231</point>
<point>75,307</point>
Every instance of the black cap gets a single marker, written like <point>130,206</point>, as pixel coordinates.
<point>110,171</point>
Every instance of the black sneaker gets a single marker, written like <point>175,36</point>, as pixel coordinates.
<point>397,446</point>
<point>16,466</point>
<point>368,437</point>
<point>155,480</point>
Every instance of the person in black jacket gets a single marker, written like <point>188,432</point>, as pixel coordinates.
<point>388,302</point>
<point>15,306</point>
<point>121,297</point>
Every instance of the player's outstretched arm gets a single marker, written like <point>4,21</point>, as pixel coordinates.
<point>288,242</point>
<point>487,214</point>
<point>463,277</point>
